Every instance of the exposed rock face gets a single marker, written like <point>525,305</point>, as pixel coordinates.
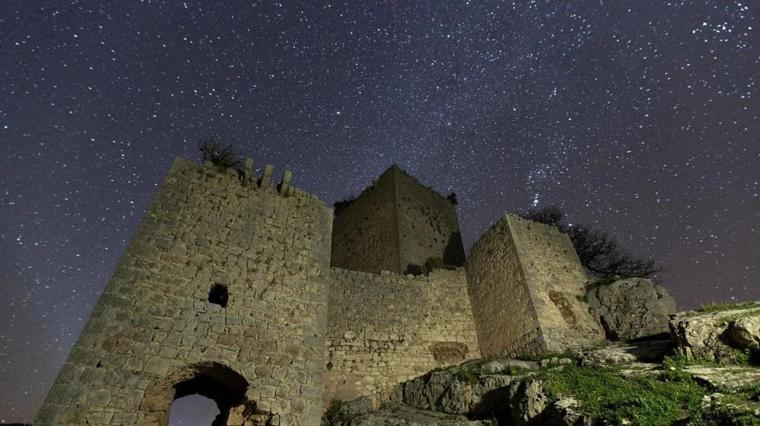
<point>721,336</point>
<point>631,308</point>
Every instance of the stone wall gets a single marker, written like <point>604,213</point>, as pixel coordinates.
<point>557,284</point>
<point>504,316</point>
<point>388,328</point>
<point>428,225</point>
<point>154,330</point>
<point>365,236</point>
<point>526,286</point>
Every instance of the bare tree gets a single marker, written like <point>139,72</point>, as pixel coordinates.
<point>599,253</point>
<point>222,156</point>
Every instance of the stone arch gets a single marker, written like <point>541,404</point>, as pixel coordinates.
<point>213,380</point>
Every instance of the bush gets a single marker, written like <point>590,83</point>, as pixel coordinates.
<point>599,253</point>
<point>223,157</point>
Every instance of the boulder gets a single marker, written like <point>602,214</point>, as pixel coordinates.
<point>745,333</point>
<point>448,391</point>
<point>722,335</point>
<point>631,308</point>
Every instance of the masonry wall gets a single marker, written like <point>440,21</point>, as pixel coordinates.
<point>385,329</point>
<point>526,285</point>
<point>154,323</point>
<point>557,284</point>
<point>427,225</point>
<point>365,234</point>
<point>503,311</point>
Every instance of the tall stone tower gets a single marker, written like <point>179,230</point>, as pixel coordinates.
<point>222,292</point>
<point>526,287</point>
<point>396,225</point>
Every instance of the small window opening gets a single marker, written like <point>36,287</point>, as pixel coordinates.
<point>219,295</point>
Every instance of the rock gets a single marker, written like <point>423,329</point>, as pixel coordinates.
<point>343,414</point>
<point>247,415</point>
<point>745,333</point>
<point>566,412</point>
<point>554,362</point>
<point>651,350</point>
<point>631,308</point>
<point>727,379</point>
<point>527,400</point>
<point>448,392</point>
<point>718,335</point>
<point>403,415</point>
<point>502,365</point>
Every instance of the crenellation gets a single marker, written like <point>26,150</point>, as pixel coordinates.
<point>266,178</point>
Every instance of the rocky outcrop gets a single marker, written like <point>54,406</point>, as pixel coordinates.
<point>722,335</point>
<point>522,393</point>
<point>631,308</point>
<point>513,395</point>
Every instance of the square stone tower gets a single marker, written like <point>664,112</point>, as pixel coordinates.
<point>526,287</point>
<point>396,225</point>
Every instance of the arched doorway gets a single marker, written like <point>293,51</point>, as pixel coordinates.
<point>212,380</point>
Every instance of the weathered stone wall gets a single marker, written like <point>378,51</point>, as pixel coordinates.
<point>504,316</point>
<point>428,225</point>
<point>556,281</point>
<point>365,234</point>
<point>154,324</point>
<point>526,285</point>
<point>388,328</point>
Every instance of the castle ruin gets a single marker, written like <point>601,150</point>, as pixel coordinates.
<point>257,296</point>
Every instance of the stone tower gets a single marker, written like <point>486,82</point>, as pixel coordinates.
<point>396,225</point>
<point>222,292</point>
<point>526,287</point>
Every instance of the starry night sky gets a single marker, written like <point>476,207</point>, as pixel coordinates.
<point>640,117</point>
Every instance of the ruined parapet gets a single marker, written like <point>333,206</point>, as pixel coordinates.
<point>396,224</point>
<point>386,328</point>
<point>526,288</point>
<point>221,291</point>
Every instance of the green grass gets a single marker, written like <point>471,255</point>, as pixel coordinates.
<point>726,306</point>
<point>736,409</point>
<point>605,394</point>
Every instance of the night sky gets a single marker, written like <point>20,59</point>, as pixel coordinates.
<point>639,117</point>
